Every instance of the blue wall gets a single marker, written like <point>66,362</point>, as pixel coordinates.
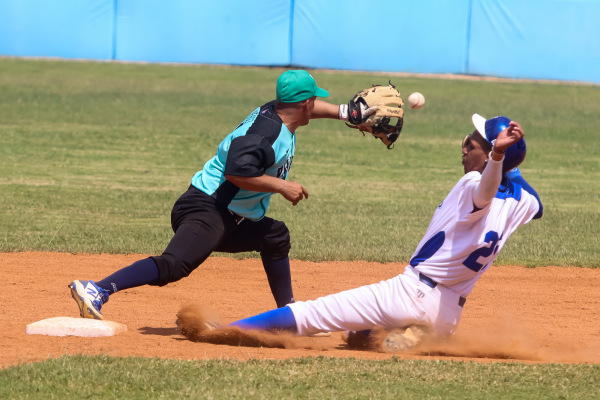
<point>537,39</point>
<point>215,32</point>
<point>60,28</point>
<point>408,36</point>
<point>542,39</point>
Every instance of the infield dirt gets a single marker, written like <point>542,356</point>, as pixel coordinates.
<point>545,314</point>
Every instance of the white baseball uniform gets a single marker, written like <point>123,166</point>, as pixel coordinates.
<point>459,245</point>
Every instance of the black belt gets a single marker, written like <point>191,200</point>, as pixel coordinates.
<point>432,284</point>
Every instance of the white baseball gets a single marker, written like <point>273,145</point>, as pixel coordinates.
<point>416,100</point>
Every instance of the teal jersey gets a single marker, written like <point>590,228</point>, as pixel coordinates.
<point>260,145</point>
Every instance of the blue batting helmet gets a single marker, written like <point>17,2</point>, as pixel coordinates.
<point>490,129</point>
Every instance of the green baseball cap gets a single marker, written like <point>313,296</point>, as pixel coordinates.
<point>297,85</point>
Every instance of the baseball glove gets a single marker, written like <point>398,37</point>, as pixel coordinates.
<point>386,122</point>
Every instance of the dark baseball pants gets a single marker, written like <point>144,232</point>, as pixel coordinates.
<point>202,226</point>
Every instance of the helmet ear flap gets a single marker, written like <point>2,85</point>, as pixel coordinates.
<point>514,155</point>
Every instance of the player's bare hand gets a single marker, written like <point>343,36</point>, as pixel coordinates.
<point>509,136</point>
<point>294,192</point>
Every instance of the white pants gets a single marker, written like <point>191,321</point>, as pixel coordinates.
<point>392,304</point>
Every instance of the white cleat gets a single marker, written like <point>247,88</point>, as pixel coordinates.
<point>402,341</point>
<point>89,298</point>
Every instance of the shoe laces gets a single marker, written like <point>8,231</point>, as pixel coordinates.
<point>99,296</point>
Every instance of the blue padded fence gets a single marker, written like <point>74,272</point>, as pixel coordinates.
<point>536,39</point>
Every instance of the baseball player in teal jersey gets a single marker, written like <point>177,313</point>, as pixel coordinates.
<point>466,232</point>
<point>224,208</point>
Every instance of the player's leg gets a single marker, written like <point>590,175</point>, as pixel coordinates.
<point>272,239</point>
<point>199,224</point>
<point>278,319</point>
<point>395,303</point>
<point>91,296</point>
<point>191,245</point>
<point>141,272</point>
<point>404,306</point>
<point>388,304</point>
<point>193,242</point>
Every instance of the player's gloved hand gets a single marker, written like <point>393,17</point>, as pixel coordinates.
<point>356,111</point>
<point>377,110</point>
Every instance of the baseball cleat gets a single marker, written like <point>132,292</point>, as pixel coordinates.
<point>89,298</point>
<point>204,326</point>
<point>208,326</point>
<point>401,341</point>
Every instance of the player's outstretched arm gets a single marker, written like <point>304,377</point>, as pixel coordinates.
<point>324,109</point>
<point>492,174</point>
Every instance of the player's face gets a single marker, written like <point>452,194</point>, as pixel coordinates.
<point>474,153</point>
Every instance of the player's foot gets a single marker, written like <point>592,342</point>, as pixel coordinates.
<point>204,326</point>
<point>401,341</point>
<point>89,297</point>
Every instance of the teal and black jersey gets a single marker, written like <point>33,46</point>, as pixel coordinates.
<point>260,145</point>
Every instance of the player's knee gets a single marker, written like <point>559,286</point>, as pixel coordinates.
<point>276,244</point>
<point>171,269</point>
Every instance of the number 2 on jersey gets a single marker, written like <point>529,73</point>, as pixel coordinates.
<point>471,262</point>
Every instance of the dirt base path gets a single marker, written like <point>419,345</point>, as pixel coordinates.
<point>514,313</point>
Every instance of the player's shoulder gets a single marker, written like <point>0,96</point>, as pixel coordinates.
<point>469,178</point>
<point>269,106</point>
<point>509,190</point>
<point>267,111</point>
<point>268,124</point>
<point>459,194</point>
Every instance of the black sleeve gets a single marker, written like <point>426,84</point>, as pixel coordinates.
<point>249,155</point>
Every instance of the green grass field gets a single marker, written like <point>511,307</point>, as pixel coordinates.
<point>304,378</point>
<point>95,154</point>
